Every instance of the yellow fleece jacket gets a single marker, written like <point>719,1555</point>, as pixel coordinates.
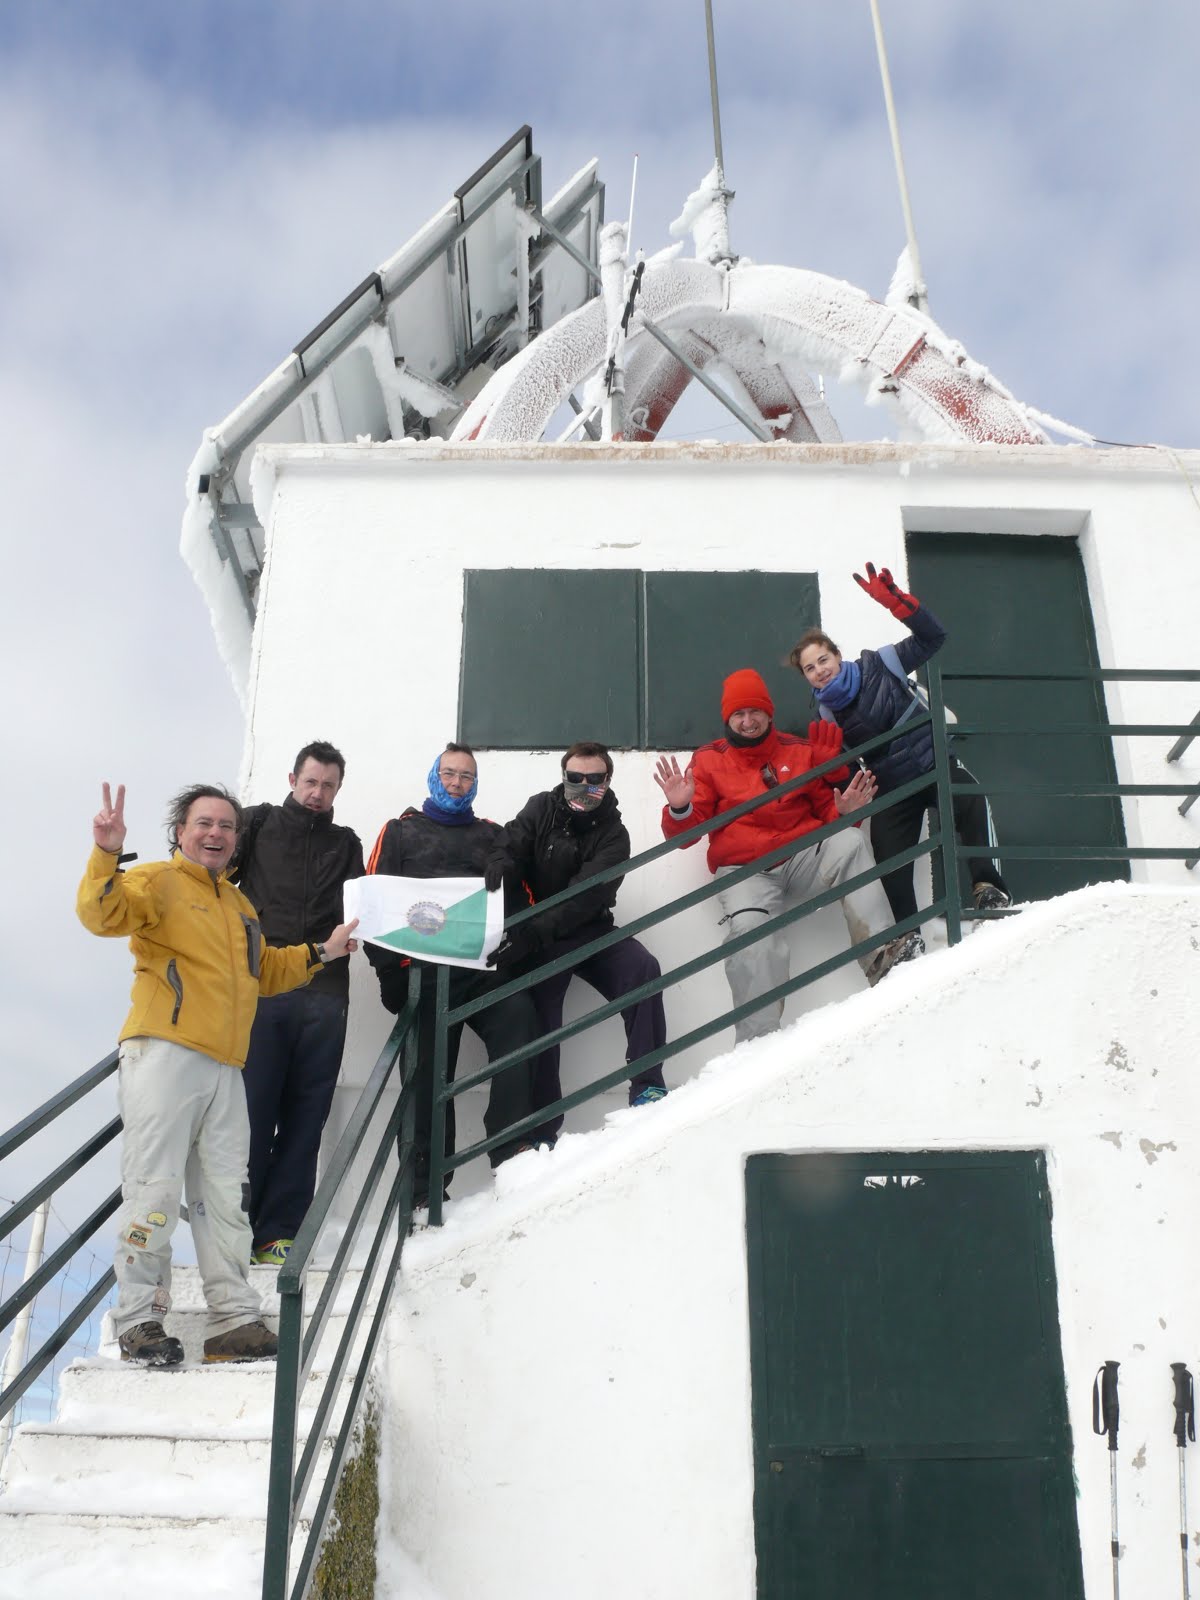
<point>200,960</point>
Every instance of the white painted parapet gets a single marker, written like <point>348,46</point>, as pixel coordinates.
<point>359,630</point>
<point>569,1371</point>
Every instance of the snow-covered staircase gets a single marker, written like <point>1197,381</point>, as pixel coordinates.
<point>154,1482</point>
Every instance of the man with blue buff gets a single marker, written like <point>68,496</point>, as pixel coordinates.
<point>443,838</point>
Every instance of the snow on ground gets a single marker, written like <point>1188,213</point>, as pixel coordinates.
<point>582,1159</point>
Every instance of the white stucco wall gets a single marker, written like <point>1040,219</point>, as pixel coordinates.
<point>568,1376</point>
<point>360,620</point>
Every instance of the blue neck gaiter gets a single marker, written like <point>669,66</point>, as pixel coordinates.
<point>454,810</point>
<point>839,691</point>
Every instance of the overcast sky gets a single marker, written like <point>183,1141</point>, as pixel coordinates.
<point>192,186</point>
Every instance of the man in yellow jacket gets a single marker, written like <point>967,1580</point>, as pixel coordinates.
<point>200,964</point>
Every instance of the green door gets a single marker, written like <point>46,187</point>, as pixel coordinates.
<point>911,1439</point>
<point>1017,604</point>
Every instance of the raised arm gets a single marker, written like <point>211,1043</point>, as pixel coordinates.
<point>691,798</point>
<point>927,636</point>
<point>109,903</point>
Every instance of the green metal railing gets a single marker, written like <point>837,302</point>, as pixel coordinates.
<point>41,1193</point>
<point>303,1472</point>
<point>1193,794</point>
<point>292,1479</point>
<point>941,844</point>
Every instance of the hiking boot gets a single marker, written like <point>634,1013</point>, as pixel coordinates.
<point>273,1254</point>
<point>253,1341</point>
<point>906,948</point>
<point>987,897</point>
<point>150,1344</point>
<point>648,1095</point>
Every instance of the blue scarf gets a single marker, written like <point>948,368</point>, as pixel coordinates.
<point>451,810</point>
<point>839,691</point>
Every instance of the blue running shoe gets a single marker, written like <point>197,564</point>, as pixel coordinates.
<point>648,1095</point>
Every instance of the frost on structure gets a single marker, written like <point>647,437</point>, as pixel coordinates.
<point>705,216</point>
<point>769,327</point>
<point>214,576</point>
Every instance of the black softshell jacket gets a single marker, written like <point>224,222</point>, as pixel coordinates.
<point>548,847</point>
<point>291,866</point>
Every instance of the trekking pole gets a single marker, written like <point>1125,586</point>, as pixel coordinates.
<point>1106,1415</point>
<point>1185,1429</point>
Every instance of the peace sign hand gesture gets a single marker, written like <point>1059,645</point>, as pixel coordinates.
<point>108,825</point>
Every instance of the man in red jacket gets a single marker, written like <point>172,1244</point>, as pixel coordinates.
<point>752,757</point>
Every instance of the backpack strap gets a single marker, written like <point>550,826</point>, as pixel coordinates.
<point>890,657</point>
<point>917,700</point>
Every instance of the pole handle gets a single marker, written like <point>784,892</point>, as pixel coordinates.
<point>1185,1404</point>
<point>1106,1408</point>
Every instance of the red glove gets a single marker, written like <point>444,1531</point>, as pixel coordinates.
<point>881,586</point>
<point>825,738</point>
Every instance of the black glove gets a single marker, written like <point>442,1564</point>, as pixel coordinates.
<point>393,988</point>
<point>517,946</point>
<point>493,874</point>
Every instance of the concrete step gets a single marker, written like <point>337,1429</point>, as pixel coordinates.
<point>187,1291</point>
<point>187,1319</point>
<point>155,1480</point>
<point>234,1398</point>
<point>48,1453</point>
<point>191,1327</point>
<point>65,1556</point>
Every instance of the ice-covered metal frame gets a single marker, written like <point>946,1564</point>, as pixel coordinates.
<point>766,329</point>
<point>407,345</point>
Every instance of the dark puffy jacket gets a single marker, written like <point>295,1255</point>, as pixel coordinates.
<point>413,845</point>
<point>550,847</point>
<point>882,700</point>
<point>291,866</point>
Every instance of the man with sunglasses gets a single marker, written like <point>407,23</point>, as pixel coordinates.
<point>751,759</point>
<point>443,838</point>
<point>561,838</point>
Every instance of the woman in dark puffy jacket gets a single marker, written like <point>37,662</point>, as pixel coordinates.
<point>865,698</point>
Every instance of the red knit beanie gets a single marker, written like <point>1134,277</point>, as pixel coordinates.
<point>745,690</point>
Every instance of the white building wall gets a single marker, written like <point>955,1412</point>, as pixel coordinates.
<point>359,628</point>
<point>569,1372</point>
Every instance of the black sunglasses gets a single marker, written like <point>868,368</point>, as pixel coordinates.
<point>596,778</point>
<point>769,776</point>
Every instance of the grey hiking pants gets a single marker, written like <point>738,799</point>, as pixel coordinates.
<point>809,872</point>
<point>186,1128</point>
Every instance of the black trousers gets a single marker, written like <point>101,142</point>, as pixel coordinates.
<point>900,826</point>
<point>612,973</point>
<point>292,1069</point>
<point>506,1026</point>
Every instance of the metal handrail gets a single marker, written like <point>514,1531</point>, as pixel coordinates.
<point>16,1136</point>
<point>941,842</point>
<point>11,1140</point>
<point>289,1482</point>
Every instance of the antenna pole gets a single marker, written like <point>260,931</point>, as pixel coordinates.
<point>717,249</point>
<point>712,84</point>
<point>919,298</point>
<point>632,198</point>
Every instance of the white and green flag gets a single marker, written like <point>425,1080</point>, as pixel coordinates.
<point>453,920</point>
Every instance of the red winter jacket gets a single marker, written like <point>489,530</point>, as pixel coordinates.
<point>726,775</point>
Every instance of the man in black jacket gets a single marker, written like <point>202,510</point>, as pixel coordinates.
<point>557,839</point>
<point>445,839</point>
<point>293,862</point>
